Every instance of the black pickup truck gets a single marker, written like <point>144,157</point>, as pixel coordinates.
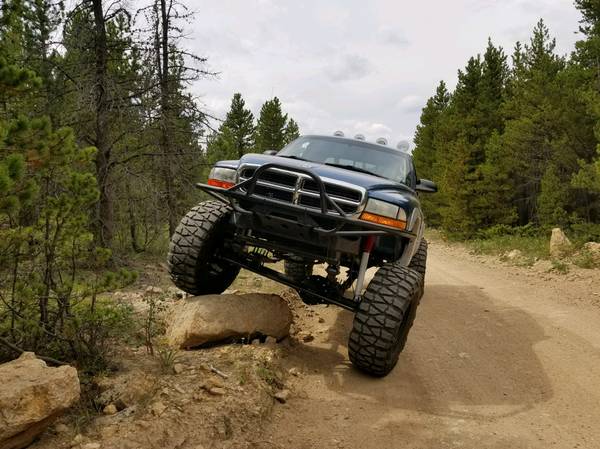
<point>344,203</point>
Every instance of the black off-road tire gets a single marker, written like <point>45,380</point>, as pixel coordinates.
<point>419,260</point>
<point>384,318</point>
<point>192,263</point>
<point>297,271</point>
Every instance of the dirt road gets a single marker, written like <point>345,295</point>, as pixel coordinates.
<point>498,358</point>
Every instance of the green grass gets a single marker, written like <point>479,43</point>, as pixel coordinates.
<point>531,247</point>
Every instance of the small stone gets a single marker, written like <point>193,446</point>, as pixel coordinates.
<point>321,319</point>
<point>91,446</point>
<point>271,341</point>
<point>217,391</point>
<point>78,439</point>
<point>179,368</point>
<point>308,338</point>
<point>158,408</point>
<point>215,382</point>
<point>61,428</point>
<point>107,432</point>
<point>110,409</point>
<point>514,254</point>
<point>282,396</point>
<point>152,290</point>
<point>294,371</point>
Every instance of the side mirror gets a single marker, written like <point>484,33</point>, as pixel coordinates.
<point>427,186</point>
<point>270,152</point>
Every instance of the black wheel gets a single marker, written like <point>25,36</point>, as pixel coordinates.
<point>419,260</point>
<point>384,317</point>
<point>193,266</point>
<point>296,270</point>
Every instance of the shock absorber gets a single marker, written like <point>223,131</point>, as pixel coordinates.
<point>368,245</point>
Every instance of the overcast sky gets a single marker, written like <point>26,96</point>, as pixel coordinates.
<point>356,65</point>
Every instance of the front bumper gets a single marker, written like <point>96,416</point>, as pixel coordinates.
<point>329,221</point>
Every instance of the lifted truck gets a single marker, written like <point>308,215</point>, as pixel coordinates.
<point>331,200</point>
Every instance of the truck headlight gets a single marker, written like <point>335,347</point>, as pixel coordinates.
<point>222,177</point>
<point>382,212</point>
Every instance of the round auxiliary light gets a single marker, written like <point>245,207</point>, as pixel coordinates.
<point>359,137</point>
<point>381,141</point>
<point>403,146</point>
<point>338,134</point>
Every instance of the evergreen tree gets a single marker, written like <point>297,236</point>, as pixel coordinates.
<point>533,134</point>
<point>457,164</point>
<point>516,145</point>
<point>292,131</point>
<point>425,152</point>
<point>271,126</point>
<point>52,307</point>
<point>552,199</point>
<point>239,124</point>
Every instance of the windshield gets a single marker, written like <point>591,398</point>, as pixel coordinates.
<point>353,154</point>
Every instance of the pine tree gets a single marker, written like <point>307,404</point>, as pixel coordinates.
<point>41,254</point>
<point>425,152</point>
<point>270,129</point>
<point>292,131</point>
<point>239,122</point>
<point>534,134</point>
<point>457,163</point>
<point>552,199</point>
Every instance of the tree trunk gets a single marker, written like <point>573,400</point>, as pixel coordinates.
<point>165,117</point>
<point>104,213</point>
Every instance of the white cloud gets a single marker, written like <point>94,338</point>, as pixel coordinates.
<point>411,103</point>
<point>393,37</point>
<point>349,68</point>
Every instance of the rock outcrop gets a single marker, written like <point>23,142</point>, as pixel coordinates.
<point>32,396</point>
<point>593,248</point>
<point>560,245</point>
<point>199,320</point>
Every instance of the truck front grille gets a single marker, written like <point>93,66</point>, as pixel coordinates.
<point>297,188</point>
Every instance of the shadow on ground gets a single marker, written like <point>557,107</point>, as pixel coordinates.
<point>465,357</point>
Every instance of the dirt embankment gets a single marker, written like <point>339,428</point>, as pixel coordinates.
<point>499,357</point>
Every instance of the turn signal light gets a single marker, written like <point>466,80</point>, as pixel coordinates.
<point>379,219</point>
<point>219,183</point>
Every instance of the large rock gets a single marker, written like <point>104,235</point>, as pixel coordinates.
<point>213,318</point>
<point>560,245</point>
<point>32,395</point>
<point>594,249</point>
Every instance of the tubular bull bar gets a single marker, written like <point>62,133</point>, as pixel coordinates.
<point>244,192</point>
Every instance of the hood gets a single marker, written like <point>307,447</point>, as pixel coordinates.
<point>369,182</point>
